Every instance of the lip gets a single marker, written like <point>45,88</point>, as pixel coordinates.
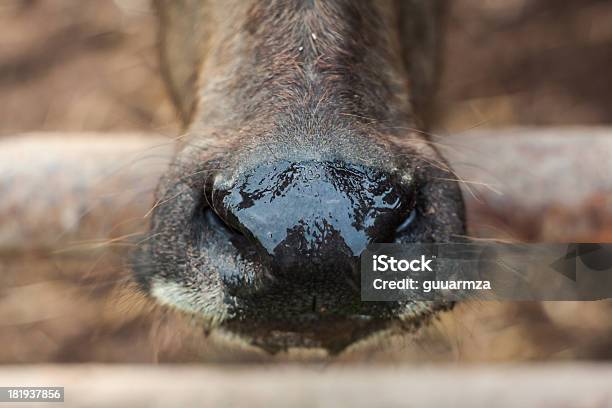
<point>331,334</point>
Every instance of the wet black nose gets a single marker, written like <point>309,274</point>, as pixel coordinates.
<point>314,216</point>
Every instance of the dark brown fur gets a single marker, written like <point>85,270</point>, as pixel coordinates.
<point>335,81</point>
<point>262,40</point>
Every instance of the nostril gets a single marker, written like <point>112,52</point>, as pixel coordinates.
<point>216,214</point>
<point>407,223</point>
<point>219,224</point>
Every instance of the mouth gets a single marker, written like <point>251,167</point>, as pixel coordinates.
<point>332,333</point>
<point>315,315</point>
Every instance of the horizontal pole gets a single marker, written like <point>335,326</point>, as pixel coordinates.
<point>536,184</point>
<point>530,184</point>
<point>552,385</point>
<point>61,189</point>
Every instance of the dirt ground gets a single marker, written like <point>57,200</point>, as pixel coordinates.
<point>90,65</point>
<point>79,65</point>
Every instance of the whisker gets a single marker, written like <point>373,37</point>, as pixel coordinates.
<point>162,202</point>
<point>477,183</point>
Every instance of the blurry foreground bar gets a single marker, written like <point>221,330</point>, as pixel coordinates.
<point>61,191</point>
<point>552,385</point>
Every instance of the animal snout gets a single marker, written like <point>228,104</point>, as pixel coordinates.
<point>314,217</point>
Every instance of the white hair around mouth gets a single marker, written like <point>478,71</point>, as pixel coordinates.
<point>207,305</point>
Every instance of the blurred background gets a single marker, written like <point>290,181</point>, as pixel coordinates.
<point>91,65</point>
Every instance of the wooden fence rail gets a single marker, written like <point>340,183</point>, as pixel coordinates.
<point>576,385</point>
<point>527,184</point>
